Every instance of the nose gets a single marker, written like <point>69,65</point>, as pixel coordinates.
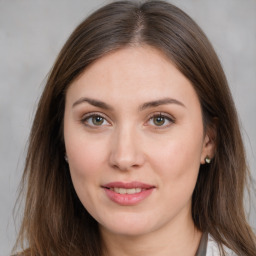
<point>126,150</point>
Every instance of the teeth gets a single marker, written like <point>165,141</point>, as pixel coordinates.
<point>138,190</point>
<point>129,191</point>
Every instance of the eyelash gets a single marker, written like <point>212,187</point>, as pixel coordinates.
<point>90,115</point>
<point>166,117</point>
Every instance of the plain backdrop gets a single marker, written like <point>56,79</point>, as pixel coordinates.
<point>32,33</point>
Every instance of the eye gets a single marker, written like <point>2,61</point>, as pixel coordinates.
<point>160,120</point>
<point>95,120</point>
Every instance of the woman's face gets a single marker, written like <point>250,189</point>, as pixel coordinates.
<point>134,140</point>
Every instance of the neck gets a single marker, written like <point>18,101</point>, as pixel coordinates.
<point>179,239</point>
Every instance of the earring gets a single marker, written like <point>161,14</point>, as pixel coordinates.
<point>66,158</point>
<point>208,160</point>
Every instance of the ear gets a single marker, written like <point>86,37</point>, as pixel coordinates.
<point>210,141</point>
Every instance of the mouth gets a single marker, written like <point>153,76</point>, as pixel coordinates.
<point>130,193</point>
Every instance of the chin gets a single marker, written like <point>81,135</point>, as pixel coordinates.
<point>129,225</point>
<point>129,231</point>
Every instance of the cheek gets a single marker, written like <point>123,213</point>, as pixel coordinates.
<point>85,165</point>
<point>177,158</point>
<point>85,158</point>
<point>178,152</point>
<point>177,167</point>
<point>85,153</point>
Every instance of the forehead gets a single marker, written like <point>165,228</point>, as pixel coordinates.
<point>141,72</point>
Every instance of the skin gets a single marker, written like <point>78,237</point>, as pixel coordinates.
<point>128,144</point>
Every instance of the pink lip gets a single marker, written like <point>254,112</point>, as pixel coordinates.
<point>128,199</point>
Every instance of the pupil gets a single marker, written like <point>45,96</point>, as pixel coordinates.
<point>159,120</point>
<point>97,120</point>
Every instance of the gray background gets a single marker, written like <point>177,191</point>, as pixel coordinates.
<point>31,35</point>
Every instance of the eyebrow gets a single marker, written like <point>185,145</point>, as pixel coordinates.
<point>96,103</point>
<point>150,104</point>
<point>160,102</point>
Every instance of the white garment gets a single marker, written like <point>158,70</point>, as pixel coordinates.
<point>213,249</point>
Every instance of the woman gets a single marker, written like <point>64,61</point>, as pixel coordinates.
<point>135,146</point>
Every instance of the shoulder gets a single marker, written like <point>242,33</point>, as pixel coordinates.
<point>213,248</point>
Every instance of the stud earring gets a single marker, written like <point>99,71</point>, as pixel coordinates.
<point>208,160</point>
<point>66,158</point>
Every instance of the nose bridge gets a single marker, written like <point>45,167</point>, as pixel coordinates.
<point>126,152</point>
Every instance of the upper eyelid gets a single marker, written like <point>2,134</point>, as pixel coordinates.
<point>163,114</point>
<point>108,119</point>
<point>169,118</point>
<point>95,113</point>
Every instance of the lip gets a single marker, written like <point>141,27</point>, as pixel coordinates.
<point>128,199</point>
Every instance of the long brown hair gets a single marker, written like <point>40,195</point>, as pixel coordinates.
<point>55,222</point>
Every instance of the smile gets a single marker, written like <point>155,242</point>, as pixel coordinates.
<point>128,193</point>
